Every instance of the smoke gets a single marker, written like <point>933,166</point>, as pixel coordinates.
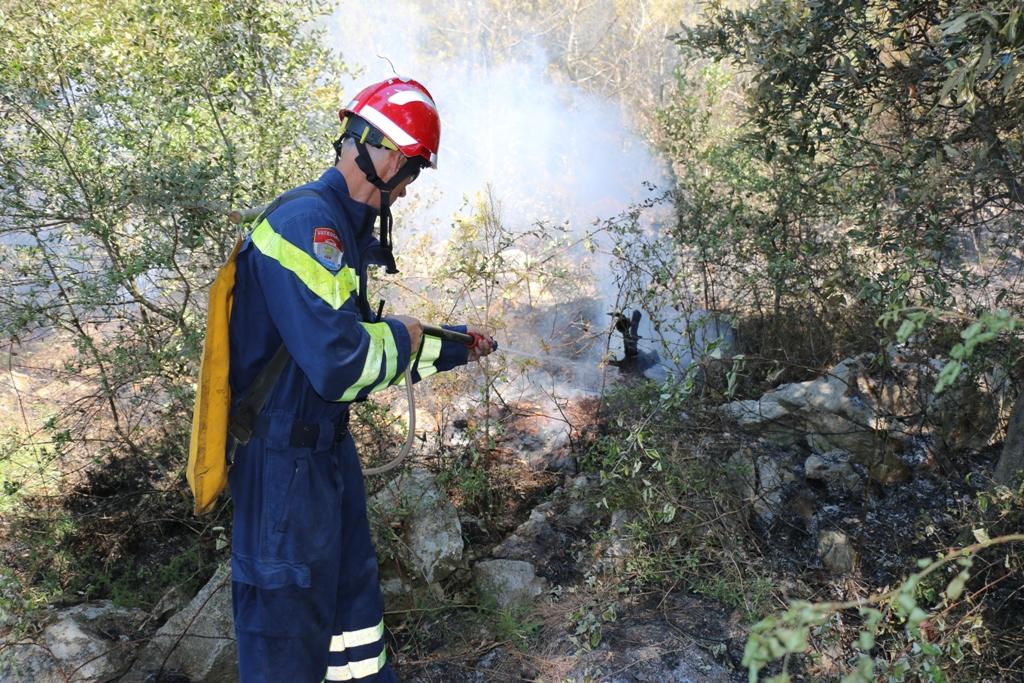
<point>549,151</point>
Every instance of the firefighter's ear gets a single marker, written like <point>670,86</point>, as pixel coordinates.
<point>395,162</point>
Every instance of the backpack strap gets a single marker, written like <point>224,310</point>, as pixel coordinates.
<point>243,418</point>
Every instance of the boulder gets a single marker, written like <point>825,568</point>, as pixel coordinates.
<point>533,539</point>
<point>198,641</point>
<point>1011,462</point>
<point>825,414</point>
<point>835,469</point>
<point>837,552</point>
<point>761,477</point>
<point>966,415</point>
<point>550,539</point>
<point>620,544</point>
<point>875,414</point>
<point>508,582</point>
<point>427,522</point>
<point>84,643</point>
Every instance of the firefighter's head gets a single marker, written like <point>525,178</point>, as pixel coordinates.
<point>390,131</point>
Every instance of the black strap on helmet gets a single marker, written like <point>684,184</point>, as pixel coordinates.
<point>363,134</point>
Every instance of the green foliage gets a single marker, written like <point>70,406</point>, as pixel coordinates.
<point>923,647</point>
<point>873,164</point>
<point>587,625</point>
<point>469,484</point>
<point>515,625</point>
<point>986,328</point>
<point>686,524</point>
<point>129,129</point>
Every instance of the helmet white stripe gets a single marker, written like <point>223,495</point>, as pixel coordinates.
<point>386,126</point>
<point>406,96</point>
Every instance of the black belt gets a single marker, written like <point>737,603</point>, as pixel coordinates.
<point>303,434</point>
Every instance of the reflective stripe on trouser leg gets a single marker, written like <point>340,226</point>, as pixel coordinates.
<point>357,650</point>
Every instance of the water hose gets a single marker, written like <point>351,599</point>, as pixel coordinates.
<point>449,335</point>
<point>407,446</point>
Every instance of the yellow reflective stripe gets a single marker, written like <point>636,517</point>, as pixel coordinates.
<point>355,670</point>
<point>431,352</point>
<point>381,341</point>
<point>363,636</point>
<point>424,361</point>
<point>334,288</point>
<point>390,354</point>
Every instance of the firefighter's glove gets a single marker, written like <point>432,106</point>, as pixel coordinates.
<point>483,342</point>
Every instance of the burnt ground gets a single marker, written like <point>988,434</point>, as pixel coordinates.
<point>652,636</point>
<point>670,634</point>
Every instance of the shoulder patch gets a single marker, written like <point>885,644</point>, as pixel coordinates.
<point>327,248</point>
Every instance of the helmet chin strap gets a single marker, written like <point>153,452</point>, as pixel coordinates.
<point>408,170</point>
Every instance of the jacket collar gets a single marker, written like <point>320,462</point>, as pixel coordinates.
<point>361,215</point>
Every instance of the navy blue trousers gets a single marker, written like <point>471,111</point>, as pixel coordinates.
<point>305,589</point>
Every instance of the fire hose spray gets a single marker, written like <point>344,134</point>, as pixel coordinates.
<point>469,340</point>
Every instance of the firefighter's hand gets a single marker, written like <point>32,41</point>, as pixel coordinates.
<point>414,327</point>
<point>484,342</point>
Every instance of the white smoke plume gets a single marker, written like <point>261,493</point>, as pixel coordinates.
<point>549,150</point>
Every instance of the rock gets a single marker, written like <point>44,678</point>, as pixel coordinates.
<point>88,642</point>
<point>430,530</point>
<point>761,477</point>
<point>394,587</point>
<point>9,591</point>
<point>835,469</point>
<point>966,415</point>
<point>620,546</point>
<point>548,540</point>
<point>174,600</point>
<point>875,416</point>
<point>1011,461</point>
<point>828,413</point>
<point>198,641</point>
<point>836,552</point>
<point>576,515</point>
<point>532,540</point>
<point>508,582</point>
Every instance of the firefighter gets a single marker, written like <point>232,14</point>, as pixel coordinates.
<point>306,599</point>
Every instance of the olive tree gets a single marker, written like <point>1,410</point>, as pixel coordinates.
<point>128,129</point>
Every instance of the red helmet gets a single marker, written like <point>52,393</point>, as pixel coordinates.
<point>404,112</point>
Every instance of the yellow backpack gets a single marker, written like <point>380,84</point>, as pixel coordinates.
<point>207,470</point>
<point>209,453</point>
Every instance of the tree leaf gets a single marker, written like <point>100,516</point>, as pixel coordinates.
<point>956,24</point>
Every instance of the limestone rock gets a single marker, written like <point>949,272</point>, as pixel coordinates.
<point>835,469</point>
<point>431,533</point>
<point>836,551</point>
<point>92,642</point>
<point>826,413</point>
<point>508,582</point>
<point>1011,462</point>
<point>198,641</point>
<point>761,477</point>
<point>532,539</point>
